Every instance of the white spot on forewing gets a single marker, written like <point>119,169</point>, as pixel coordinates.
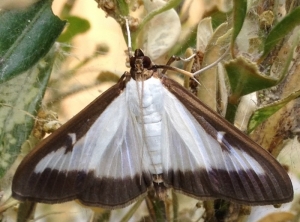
<point>220,136</point>
<point>73,137</point>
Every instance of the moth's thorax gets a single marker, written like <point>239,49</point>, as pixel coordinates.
<point>145,100</point>
<point>139,73</point>
<point>145,97</point>
<point>141,66</point>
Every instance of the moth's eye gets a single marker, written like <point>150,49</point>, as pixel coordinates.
<point>146,62</point>
<point>132,62</point>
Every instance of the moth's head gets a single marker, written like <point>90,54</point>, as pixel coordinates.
<point>140,66</point>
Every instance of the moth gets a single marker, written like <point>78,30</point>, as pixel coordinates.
<point>149,131</point>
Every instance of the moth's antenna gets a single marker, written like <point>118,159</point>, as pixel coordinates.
<point>212,64</point>
<point>189,74</point>
<point>128,37</point>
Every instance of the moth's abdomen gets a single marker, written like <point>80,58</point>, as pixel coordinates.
<point>152,140</point>
<point>146,102</point>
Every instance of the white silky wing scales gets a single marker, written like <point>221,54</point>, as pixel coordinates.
<point>183,138</point>
<point>163,31</point>
<point>110,148</point>
<point>203,151</point>
<point>96,153</point>
<point>197,164</point>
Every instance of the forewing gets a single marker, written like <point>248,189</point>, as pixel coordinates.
<point>94,158</point>
<point>205,156</point>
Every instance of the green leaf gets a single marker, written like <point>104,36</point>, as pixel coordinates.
<point>245,78</point>
<point>123,7</point>
<point>26,36</point>
<point>20,98</point>
<point>264,113</point>
<point>239,14</point>
<point>286,25</point>
<point>76,26</point>
<point>218,17</point>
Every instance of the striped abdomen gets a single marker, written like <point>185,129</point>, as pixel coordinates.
<point>145,102</point>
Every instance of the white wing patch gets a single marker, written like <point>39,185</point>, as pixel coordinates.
<point>109,149</point>
<point>113,145</point>
<point>188,147</point>
<point>73,137</point>
<point>220,136</point>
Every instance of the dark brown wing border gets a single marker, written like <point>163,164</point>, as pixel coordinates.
<point>52,186</point>
<point>208,119</point>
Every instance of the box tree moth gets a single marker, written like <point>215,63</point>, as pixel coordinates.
<point>149,131</point>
